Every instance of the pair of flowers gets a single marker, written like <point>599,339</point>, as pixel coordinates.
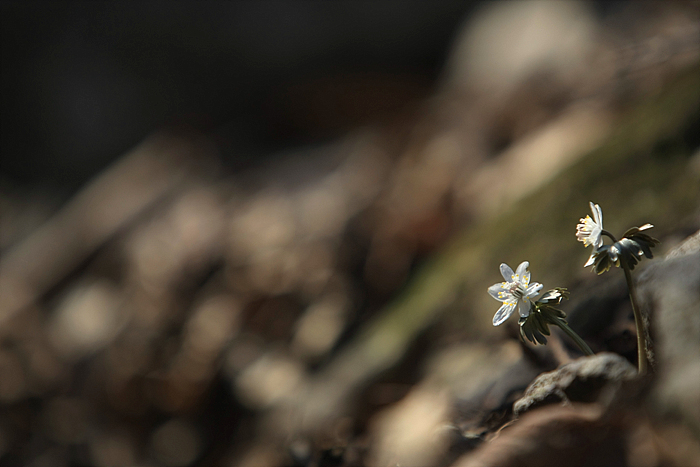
<point>517,290</point>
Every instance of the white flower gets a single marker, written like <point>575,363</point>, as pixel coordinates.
<point>590,231</point>
<point>516,289</point>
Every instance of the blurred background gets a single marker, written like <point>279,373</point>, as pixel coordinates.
<point>261,233</point>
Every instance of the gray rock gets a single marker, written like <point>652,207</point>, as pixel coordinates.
<point>583,380</point>
<point>670,294</point>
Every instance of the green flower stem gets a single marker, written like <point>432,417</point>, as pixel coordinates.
<point>641,338</point>
<point>570,332</point>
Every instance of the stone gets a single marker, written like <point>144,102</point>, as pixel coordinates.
<point>583,380</point>
<point>670,294</point>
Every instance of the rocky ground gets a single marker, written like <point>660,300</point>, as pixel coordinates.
<point>328,307</point>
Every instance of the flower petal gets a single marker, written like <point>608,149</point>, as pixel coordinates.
<point>534,289</point>
<point>597,214</point>
<point>598,237</point>
<point>507,272</point>
<point>524,308</point>
<point>504,313</point>
<point>500,292</point>
<point>522,267</point>
<point>554,295</point>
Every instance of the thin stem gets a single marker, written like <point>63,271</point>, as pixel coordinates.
<point>609,235</point>
<point>570,332</point>
<point>641,338</point>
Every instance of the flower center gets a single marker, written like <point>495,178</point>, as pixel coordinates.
<point>517,290</point>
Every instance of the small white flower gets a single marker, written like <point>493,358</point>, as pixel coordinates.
<point>515,290</point>
<point>590,231</point>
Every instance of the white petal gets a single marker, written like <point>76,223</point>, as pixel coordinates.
<point>503,313</point>
<point>596,237</point>
<point>534,289</point>
<point>550,295</point>
<point>597,214</point>
<point>645,227</point>
<point>590,261</point>
<point>507,272</point>
<point>500,292</point>
<point>522,267</point>
<point>524,308</point>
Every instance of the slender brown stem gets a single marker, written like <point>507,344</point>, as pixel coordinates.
<point>639,323</point>
<point>575,337</point>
